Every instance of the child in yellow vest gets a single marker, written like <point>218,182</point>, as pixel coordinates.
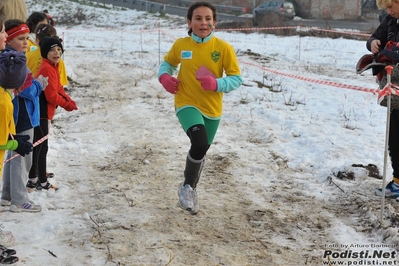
<point>34,19</point>
<point>13,73</point>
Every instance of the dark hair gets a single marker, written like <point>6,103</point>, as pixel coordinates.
<point>60,39</point>
<point>45,11</point>
<point>1,24</point>
<point>12,23</point>
<point>34,19</point>
<point>196,5</point>
<point>44,30</point>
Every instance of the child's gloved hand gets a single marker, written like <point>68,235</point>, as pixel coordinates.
<point>208,83</point>
<point>24,146</point>
<point>169,83</point>
<point>43,81</point>
<point>70,106</point>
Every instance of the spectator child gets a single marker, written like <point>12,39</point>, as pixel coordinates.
<point>198,90</point>
<point>33,20</point>
<point>53,95</point>
<point>13,72</point>
<point>8,69</point>
<point>34,58</point>
<point>26,117</point>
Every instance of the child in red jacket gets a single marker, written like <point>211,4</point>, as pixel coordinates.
<point>52,96</point>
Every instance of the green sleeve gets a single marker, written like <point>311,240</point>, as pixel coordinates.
<point>11,145</point>
<point>229,83</point>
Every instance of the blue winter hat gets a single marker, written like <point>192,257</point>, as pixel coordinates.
<point>13,70</point>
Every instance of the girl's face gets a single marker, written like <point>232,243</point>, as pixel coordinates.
<point>3,38</point>
<point>393,10</point>
<point>19,43</point>
<point>54,55</point>
<point>202,22</point>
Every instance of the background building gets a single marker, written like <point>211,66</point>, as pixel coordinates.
<point>321,9</point>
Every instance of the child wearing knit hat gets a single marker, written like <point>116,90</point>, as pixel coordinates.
<point>26,117</point>
<point>33,56</point>
<point>53,95</point>
<point>13,73</point>
<point>7,256</point>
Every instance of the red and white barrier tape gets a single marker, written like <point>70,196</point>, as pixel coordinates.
<point>323,82</point>
<point>34,145</point>
<point>389,89</point>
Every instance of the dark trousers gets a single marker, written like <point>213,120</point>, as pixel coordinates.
<point>39,165</point>
<point>394,141</point>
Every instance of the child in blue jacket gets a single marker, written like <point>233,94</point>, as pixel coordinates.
<point>26,117</point>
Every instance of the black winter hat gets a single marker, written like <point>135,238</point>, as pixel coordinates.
<point>47,43</point>
<point>13,70</point>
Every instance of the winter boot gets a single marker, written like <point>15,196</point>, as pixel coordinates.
<point>193,171</point>
<point>200,171</point>
<point>187,192</point>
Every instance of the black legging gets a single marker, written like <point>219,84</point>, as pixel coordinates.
<point>394,141</point>
<point>39,165</point>
<point>199,141</point>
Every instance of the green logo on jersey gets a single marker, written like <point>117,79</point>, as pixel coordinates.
<point>215,56</point>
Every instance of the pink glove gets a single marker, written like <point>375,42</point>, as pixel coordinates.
<point>208,83</point>
<point>169,83</point>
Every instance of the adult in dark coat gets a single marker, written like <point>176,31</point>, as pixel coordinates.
<point>388,30</point>
<point>13,9</point>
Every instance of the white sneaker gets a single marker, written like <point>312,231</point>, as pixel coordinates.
<point>391,190</point>
<point>188,198</point>
<point>4,202</point>
<point>185,193</point>
<point>26,207</point>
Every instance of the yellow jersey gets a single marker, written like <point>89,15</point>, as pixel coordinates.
<point>217,56</point>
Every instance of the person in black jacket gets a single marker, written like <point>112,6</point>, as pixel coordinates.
<point>388,30</point>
